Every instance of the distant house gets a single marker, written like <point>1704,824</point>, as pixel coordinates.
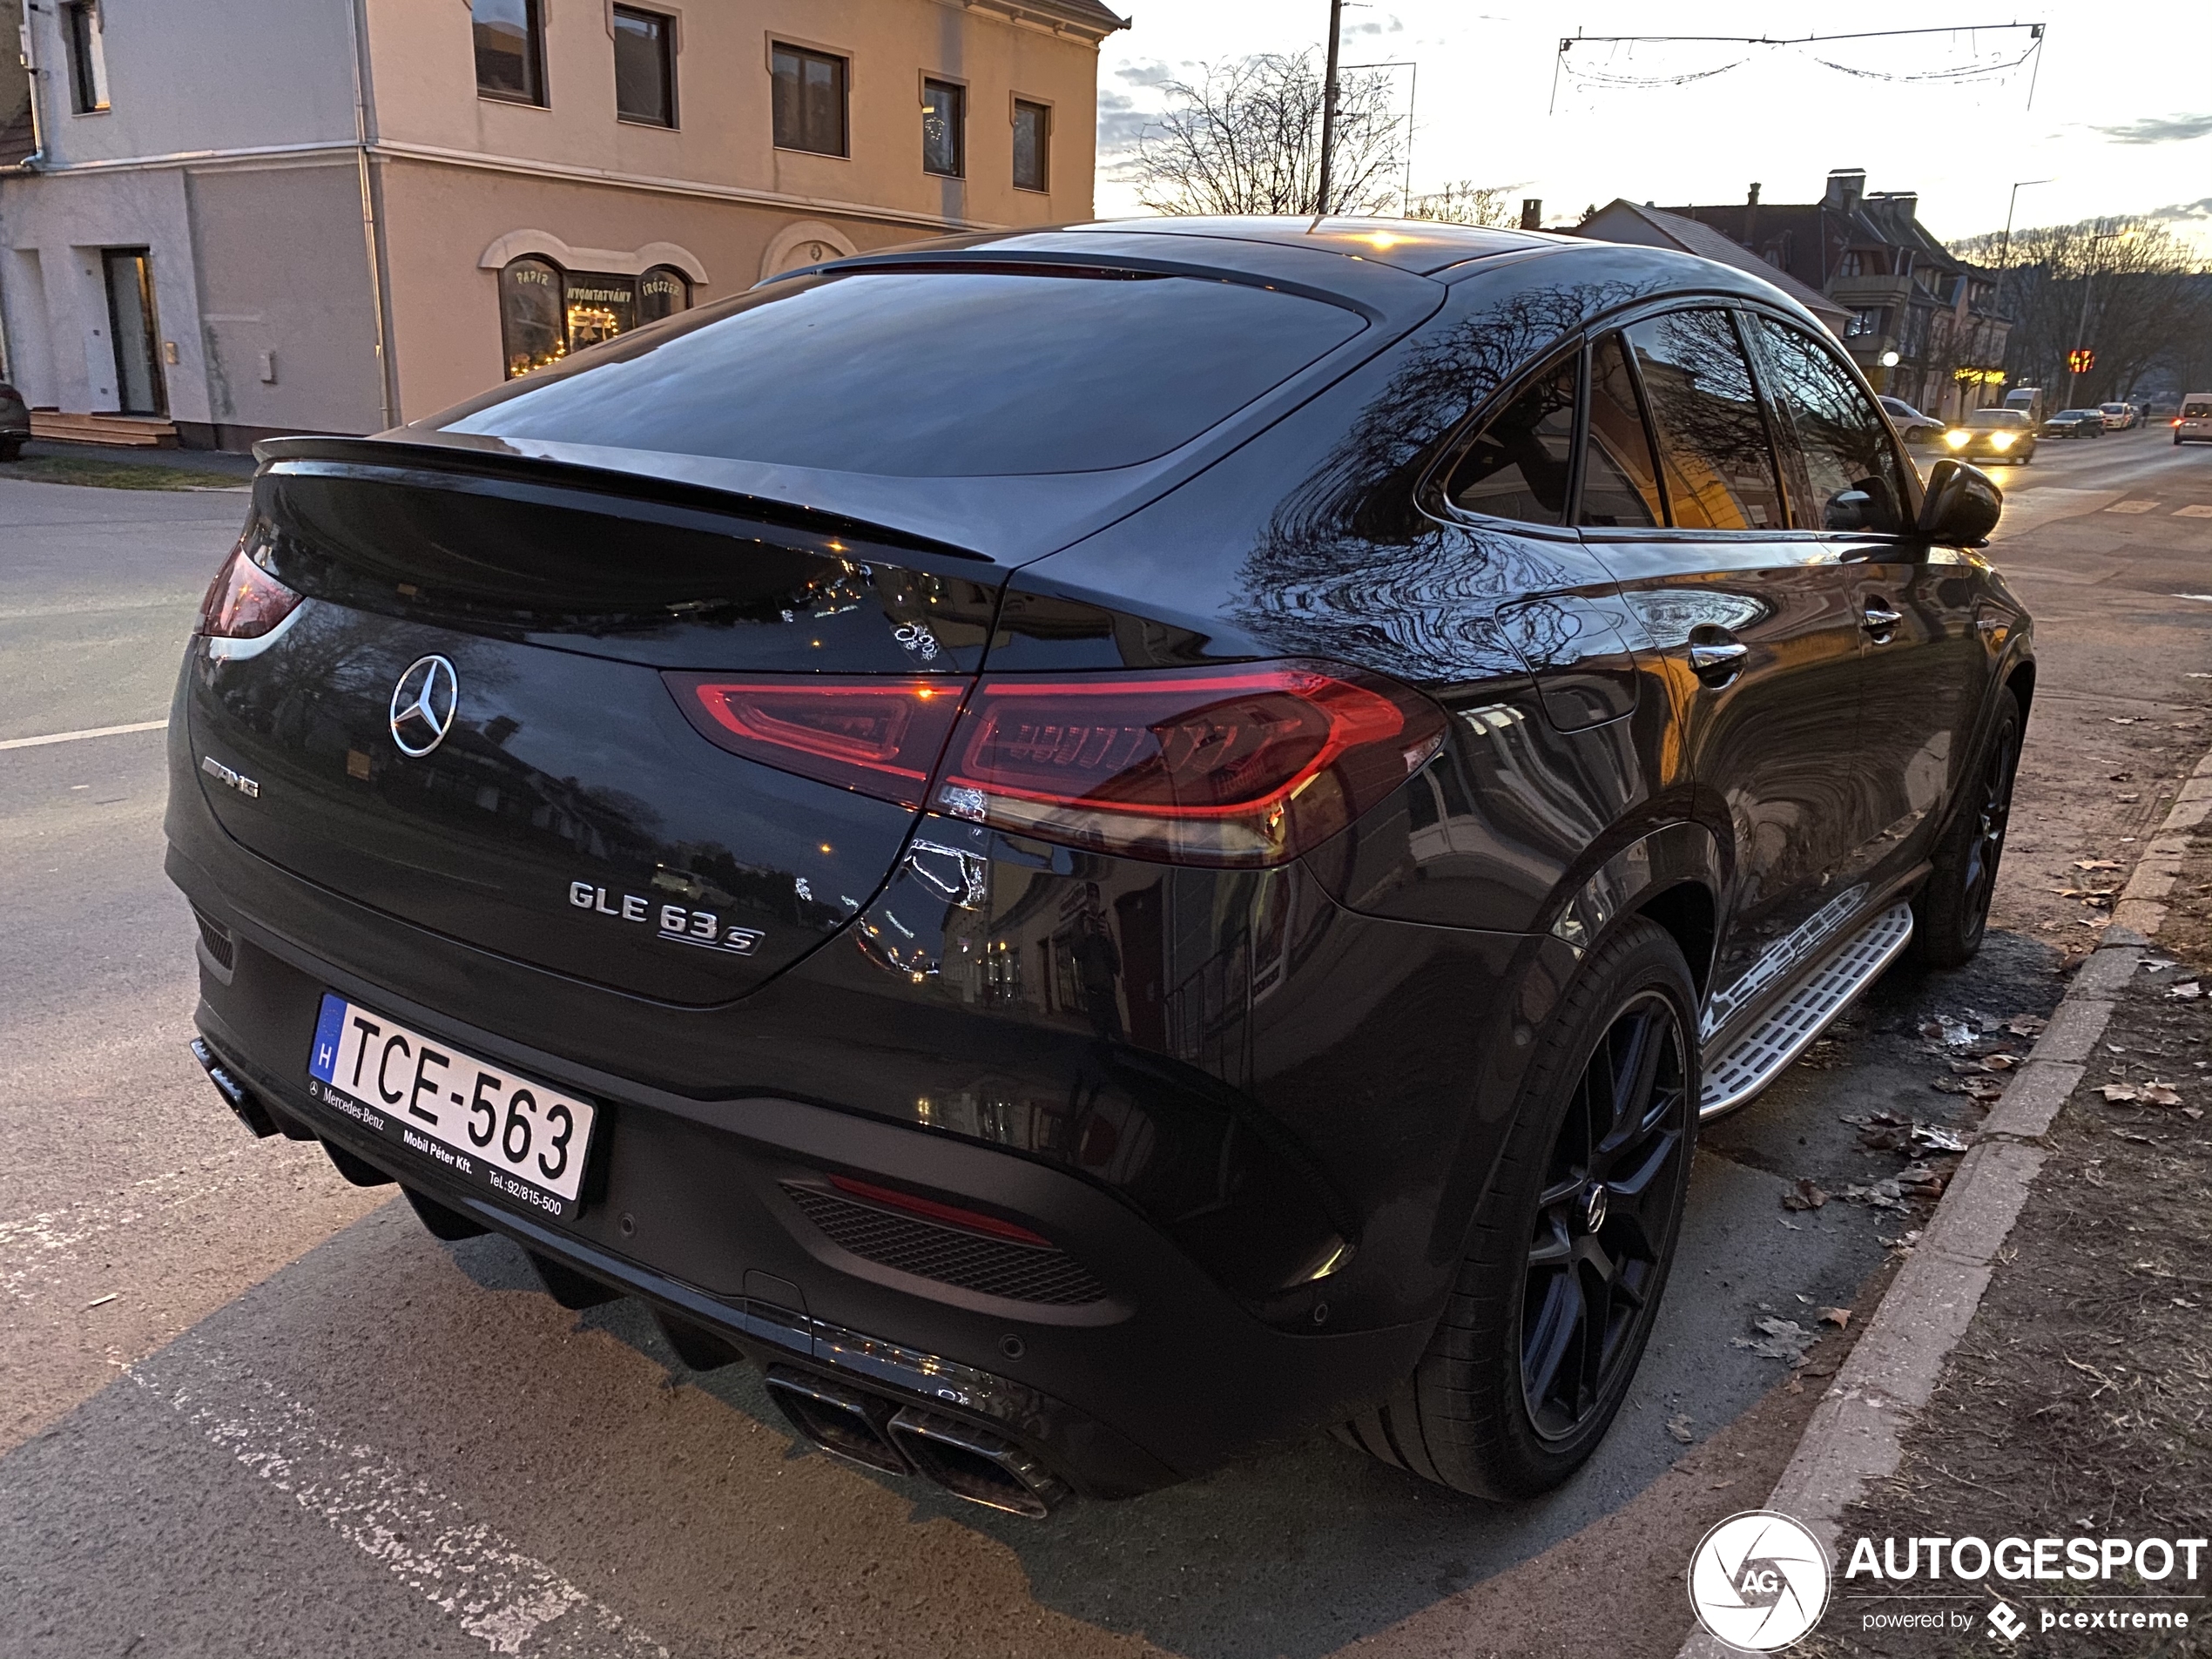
<point>1923,324</point>
<point>1621,220</point>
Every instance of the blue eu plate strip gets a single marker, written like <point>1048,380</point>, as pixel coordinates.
<point>328,1030</point>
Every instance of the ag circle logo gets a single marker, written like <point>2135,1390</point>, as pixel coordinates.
<point>1758,1582</point>
<point>423,705</point>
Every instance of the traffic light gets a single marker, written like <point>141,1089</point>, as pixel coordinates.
<point>2080,359</point>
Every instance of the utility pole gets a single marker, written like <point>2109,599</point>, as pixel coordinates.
<point>2081,333</point>
<point>1329,106</point>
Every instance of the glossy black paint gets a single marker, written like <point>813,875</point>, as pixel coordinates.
<point>1259,1106</point>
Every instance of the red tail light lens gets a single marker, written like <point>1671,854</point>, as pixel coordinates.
<point>244,602</point>
<point>1252,765</point>
<point>879,735</point>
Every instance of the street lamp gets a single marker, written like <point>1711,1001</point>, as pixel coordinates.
<point>2004,255</point>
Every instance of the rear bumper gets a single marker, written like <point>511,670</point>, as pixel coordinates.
<point>687,1211</point>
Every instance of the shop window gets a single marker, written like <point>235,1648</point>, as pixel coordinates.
<point>944,128</point>
<point>531,325</point>
<point>663,292</point>
<point>1032,146</point>
<point>81,32</point>
<point>809,99</point>
<point>511,50</point>
<point>644,67</point>
<point>546,313</point>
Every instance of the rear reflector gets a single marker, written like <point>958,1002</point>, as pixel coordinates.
<point>1251,765</point>
<point>244,602</point>
<point>879,735</point>
<point>951,1215</point>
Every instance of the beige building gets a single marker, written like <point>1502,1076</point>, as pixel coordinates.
<point>247,217</point>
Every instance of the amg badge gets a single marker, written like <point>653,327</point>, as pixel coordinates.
<point>679,924</point>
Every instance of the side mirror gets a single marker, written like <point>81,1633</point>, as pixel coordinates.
<point>1961,506</point>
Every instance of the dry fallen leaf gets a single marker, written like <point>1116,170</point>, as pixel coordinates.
<point>2025,1025</point>
<point>1999,1062</point>
<point>2160,1095</point>
<point>2125,799</point>
<point>2097,864</point>
<point>1837,1317</point>
<point>2187,990</point>
<point>2121,1091</point>
<point>2192,1111</point>
<point>1679,1427</point>
<point>1803,1195</point>
<point>2121,720</point>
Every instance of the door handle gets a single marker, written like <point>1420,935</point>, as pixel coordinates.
<point>1716,664</point>
<point>1881,621</point>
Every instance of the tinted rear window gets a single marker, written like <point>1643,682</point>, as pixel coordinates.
<point>932,373</point>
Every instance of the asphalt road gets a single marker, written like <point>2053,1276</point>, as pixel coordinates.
<point>246,1409</point>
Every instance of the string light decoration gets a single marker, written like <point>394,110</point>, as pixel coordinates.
<point>2022,44</point>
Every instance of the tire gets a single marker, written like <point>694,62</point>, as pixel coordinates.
<point>1950,912</point>
<point>1465,1419</point>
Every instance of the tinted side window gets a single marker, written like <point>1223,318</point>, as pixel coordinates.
<point>1619,480</point>
<point>1851,474</point>
<point>1713,446</point>
<point>1519,466</point>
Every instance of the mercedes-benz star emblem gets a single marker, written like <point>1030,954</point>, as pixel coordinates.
<point>1594,1208</point>
<point>423,705</point>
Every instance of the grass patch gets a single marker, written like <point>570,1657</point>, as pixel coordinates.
<point>115,475</point>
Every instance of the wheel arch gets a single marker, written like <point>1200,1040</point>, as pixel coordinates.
<point>1671,876</point>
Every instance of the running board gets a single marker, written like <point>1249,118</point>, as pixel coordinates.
<point>1760,1056</point>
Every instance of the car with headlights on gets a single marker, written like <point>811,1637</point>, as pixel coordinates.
<point>1992,435</point>
<point>2120,417</point>
<point>1104,846</point>
<point>2076,423</point>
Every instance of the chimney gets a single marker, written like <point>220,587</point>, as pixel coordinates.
<point>1750,237</point>
<point>1532,214</point>
<point>1845,186</point>
<point>1752,201</point>
<point>1904,207</point>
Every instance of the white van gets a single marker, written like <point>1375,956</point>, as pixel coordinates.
<point>2194,423</point>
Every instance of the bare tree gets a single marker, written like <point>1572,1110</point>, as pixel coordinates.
<point>1465,202</point>
<point>1246,139</point>
<point>2148,297</point>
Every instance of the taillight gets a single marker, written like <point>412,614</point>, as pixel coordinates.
<point>244,602</point>
<point>1250,764</point>
<point>879,735</point>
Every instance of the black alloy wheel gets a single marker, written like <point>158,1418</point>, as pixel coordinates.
<point>1569,1250</point>
<point>1951,912</point>
<point>1605,1219</point>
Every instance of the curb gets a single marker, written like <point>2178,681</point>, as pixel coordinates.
<point>1855,1436</point>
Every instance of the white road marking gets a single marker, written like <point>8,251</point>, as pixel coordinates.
<point>48,1239</point>
<point>72,737</point>
<point>511,1603</point>
<point>2207,598</point>
<point>2199,510</point>
<point>2131,507</point>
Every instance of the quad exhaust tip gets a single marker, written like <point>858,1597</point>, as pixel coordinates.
<point>969,1462</point>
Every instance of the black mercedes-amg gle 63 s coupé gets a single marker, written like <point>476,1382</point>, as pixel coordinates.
<point>1102,846</point>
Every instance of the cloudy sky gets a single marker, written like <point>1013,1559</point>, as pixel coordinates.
<point>2121,118</point>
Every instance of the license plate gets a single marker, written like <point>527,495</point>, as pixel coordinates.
<point>480,1123</point>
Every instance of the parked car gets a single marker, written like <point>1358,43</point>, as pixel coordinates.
<point>2194,423</point>
<point>1912,426</point>
<point>1994,434</point>
<point>14,422</point>
<point>1192,882</point>
<point>2076,423</point>
<point>2120,417</point>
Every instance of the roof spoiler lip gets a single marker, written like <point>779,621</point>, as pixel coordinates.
<point>380,452</point>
